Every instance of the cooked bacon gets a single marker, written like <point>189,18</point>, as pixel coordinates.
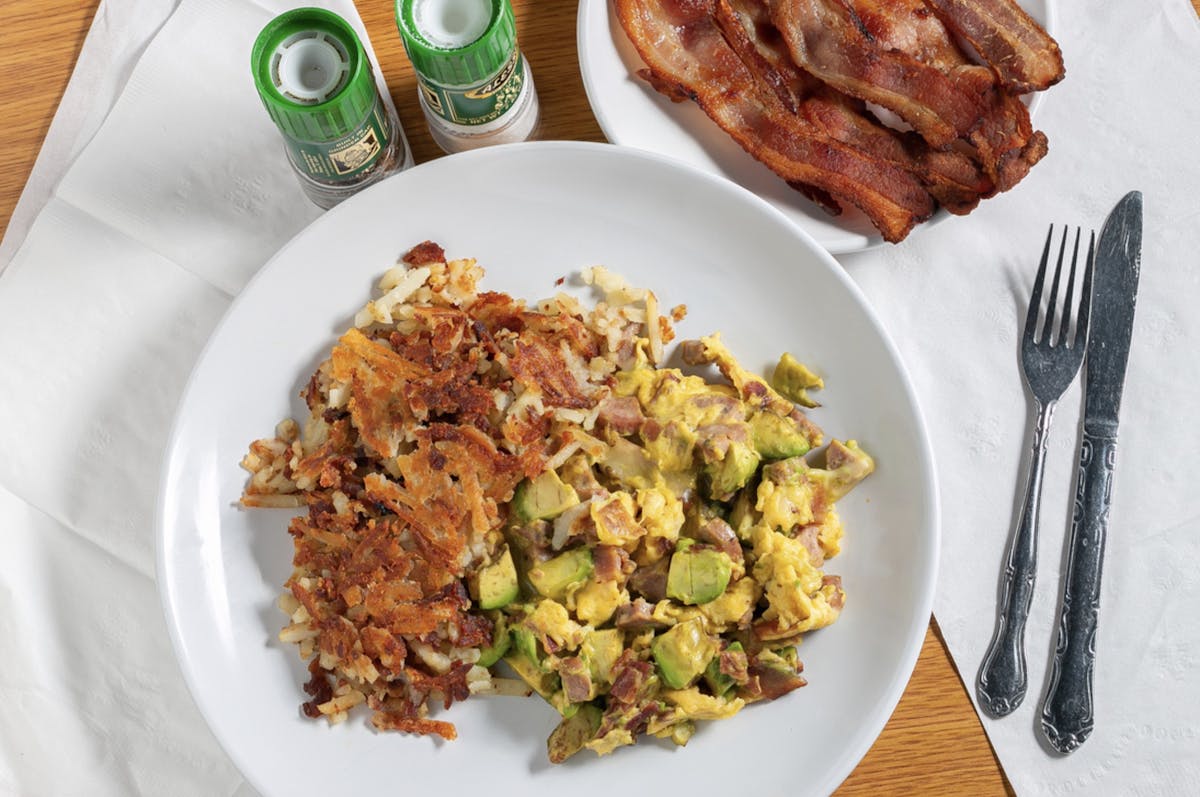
<point>1007,143</point>
<point>829,40</point>
<point>629,678</point>
<point>807,69</point>
<point>951,177</point>
<point>680,42</point>
<point>1024,57</point>
<point>1003,141</point>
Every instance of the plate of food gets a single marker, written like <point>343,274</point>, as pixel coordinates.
<point>503,478</point>
<point>861,121</point>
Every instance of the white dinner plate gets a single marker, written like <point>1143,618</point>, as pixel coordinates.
<point>530,214</point>
<point>633,114</point>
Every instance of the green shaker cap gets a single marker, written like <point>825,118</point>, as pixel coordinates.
<point>468,65</point>
<point>312,75</point>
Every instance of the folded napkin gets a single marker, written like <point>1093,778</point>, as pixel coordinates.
<point>184,191</point>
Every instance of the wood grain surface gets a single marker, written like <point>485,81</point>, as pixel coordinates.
<point>933,745</point>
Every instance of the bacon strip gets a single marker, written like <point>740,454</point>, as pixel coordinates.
<point>830,41</point>
<point>951,177</point>
<point>1003,142</point>
<point>687,55</point>
<point>1024,57</point>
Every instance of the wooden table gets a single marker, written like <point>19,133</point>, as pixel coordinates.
<point>933,744</point>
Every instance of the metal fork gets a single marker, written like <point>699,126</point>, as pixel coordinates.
<point>1050,363</point>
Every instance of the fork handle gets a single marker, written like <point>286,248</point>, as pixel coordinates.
<point>1002,676</point>
<point>1067,716</point>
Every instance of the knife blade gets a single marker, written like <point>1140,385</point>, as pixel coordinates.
<point>1067,711</point>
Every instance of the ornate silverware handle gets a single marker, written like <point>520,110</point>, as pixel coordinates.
<point>1002,676</point>
<point>1067,716</point>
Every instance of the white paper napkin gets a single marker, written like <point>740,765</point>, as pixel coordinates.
<point>184,192</point>
<point>954,298</point>
<point>119,34</point>
<point>178,198</point>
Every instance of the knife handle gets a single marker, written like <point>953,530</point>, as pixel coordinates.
<point>1002,676</point>
<point>1067,712</point>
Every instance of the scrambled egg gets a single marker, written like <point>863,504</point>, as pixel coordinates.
<point>688,555</point>
<point>796,598</point>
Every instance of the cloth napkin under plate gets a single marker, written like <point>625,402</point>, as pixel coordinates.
<point>184,192</point>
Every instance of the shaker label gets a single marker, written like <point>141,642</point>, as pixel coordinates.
<point>345,158</point>
<point>477,105</point>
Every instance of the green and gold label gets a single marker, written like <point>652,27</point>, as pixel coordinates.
<point>480,104</point>
<point>344,159</point>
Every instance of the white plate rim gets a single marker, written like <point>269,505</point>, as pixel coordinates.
<point>866,733</point>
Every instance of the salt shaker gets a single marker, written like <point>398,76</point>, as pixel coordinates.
<point>475,87</point>
<point>318,86</point>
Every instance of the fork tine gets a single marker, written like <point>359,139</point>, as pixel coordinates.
<point>1035,301</point>
<point>1068,308</point>
<point>1085,296</point>
<point>1052,302</point>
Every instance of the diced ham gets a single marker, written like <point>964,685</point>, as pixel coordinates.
<point>576,679</point>
<point>808,537</point>
<point>623,415</point>
<point>611,563</point>
<point>721,535</point>
<point>650,581</point>
<point>839,597</point>
<point>637,615</point>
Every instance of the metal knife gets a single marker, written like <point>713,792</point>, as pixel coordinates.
<point>1067,716</point>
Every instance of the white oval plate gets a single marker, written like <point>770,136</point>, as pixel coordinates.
<point>633,114</point>
<point>532,213</point>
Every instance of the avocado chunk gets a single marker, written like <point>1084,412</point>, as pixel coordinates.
<point>720,683</point>
<point>845,466</point>
<point>554,577</point>
<point>544,683</point>
<point>777,437</point>
<point>573,733</point>
<point>497,583</point>
<point>524,642</point>
<point>501,642</point>
<point>730,474</point>
<point>793,380</point>
<point>697,575</point>
<point>600,651</point>
<point>562,704</point>
<point>682,653</point>
<point>543,497</point>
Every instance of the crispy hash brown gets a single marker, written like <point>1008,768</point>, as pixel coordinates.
<point>423,421</point>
